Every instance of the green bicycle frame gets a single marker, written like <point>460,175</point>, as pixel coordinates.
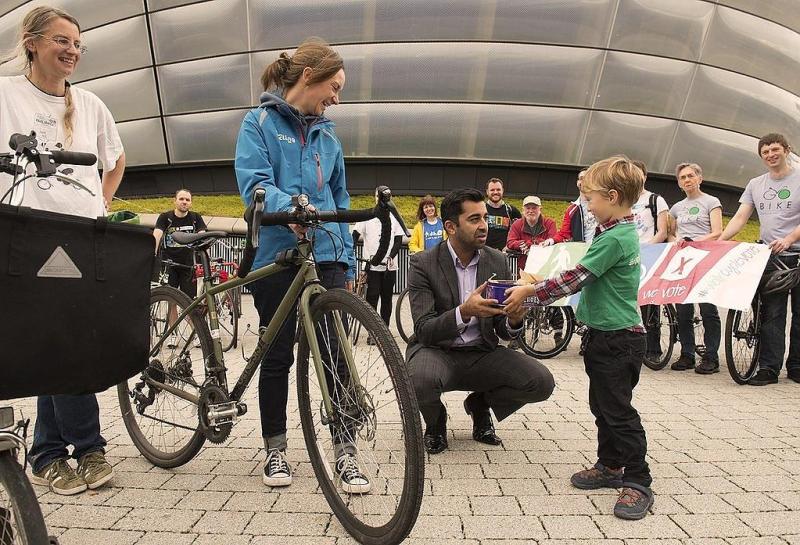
<point>304,285</point>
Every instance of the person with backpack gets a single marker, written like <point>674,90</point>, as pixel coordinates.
<point>184,220</point>
<point>651,218</point>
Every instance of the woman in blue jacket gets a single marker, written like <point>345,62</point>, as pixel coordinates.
<point>288,147</point>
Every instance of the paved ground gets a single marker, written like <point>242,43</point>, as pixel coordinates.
<point>725,459</point>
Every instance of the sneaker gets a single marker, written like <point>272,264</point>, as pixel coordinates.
<point>352,480</point>
<point>634,502</point>
<point>558,338</point>
<point>763,377</point>
<point>707,367</point>
<point>793,374</point>
<point>95,469</point>
<point>682,363</point>
<point>596,477</point>
<point>60,477</point>
<point>276,470</point>
<point>513,344</point>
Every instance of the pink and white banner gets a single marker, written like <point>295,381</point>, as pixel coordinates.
<point>725,274</point>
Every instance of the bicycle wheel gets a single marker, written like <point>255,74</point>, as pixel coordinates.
<point>742,343</point>
<point>228,317</point>
<point>402,315</point>
<point>21,520</point>
<point>663,327</point>
<point>547,332</point>
<point>164,427</point>
<point>374,416</point>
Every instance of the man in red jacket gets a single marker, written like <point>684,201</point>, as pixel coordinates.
<point>530,230</point>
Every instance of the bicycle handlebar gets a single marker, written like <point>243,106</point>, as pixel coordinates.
<point>255,216</point>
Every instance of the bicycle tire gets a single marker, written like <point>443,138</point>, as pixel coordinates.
<point>668,335</point>
<point>400,432</point>
<point>744,327</point>
<point>402,313</point>
<point>228,317</point>
<point>535,338</point>
<point>21,520</point>
<point>184,367</point>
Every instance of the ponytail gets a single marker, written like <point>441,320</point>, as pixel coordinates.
<point>285,72</point>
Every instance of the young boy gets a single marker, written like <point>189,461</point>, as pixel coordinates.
<point>608,277</point>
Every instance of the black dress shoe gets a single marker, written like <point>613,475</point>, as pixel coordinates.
<point>482,425</point>
<point>435,443</point>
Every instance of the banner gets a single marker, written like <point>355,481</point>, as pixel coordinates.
<point>725,274</point>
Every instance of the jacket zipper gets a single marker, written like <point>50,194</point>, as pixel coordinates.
<point>319,173</point>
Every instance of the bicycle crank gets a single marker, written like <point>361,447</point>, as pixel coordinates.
<point>218,413</point>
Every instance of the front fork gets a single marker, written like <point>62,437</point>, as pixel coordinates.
<point>329,415</point>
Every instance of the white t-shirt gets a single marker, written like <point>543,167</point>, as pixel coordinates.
<point>643,216</point>
<point>371,231</point>
<point>693,216</point>
<point>24,108</point>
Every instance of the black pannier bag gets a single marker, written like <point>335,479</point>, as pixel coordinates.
<point>74,302</point>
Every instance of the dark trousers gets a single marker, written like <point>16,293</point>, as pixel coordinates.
<point>183,279</point>
<point>63,421</point>
<point>651,318</point>
<point>508,379</point>
<point>711,330</point>
<point>380,284</point>
<point>773,327</point>
<point>273,382</point>
<point>613,360</point>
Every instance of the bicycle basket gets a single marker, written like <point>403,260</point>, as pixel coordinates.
<point>75,298</point>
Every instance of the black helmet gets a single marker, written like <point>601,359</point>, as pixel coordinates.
<point>781,280</point>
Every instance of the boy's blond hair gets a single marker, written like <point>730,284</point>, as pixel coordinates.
<point>617,173</point>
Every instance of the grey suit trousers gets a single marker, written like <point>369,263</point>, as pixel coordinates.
<point>508,379</point>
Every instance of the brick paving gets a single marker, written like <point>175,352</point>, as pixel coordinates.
<point>725,461</point>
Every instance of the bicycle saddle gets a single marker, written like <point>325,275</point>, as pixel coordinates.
<point>198,240</point>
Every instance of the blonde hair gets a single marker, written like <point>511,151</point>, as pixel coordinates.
<point>618,173</point>
<point>34,24</point>
<point>314,53</point>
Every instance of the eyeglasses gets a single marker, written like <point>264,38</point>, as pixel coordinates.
<point>64,43</point>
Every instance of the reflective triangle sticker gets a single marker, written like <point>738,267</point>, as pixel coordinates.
<point>59,265</point>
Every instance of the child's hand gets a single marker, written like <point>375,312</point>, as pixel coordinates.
<point>515,296</point>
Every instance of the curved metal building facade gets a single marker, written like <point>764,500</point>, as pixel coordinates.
<point>474,84</point>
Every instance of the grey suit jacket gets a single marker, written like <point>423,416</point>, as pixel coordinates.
<point>433,290</point>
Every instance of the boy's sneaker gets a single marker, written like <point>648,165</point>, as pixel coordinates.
<point>95,469</point>
<point>707,367</point>
<point>353,481</point>
<point>596,477</point>
<point>634,502</point>
<point>682,363</point>
<point>276,470</point>
<point>763,377</point>
<point>60,477</point>
<point>794,374</point>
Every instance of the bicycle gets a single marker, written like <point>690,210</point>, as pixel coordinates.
<point>743,327</point>
<point>402,316</point>
<point>21,519</point>
<point>347,393</point>
<point>227,304</point>
<point>663,325</point>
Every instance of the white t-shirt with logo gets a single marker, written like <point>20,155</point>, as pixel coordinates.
<point>777,202</point>
<point>24,108</point>
<point>643,216</point>
<point>371,231</point>
<point>589,221</point>
<point>693,216</point>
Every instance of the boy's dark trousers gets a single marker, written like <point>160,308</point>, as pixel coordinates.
<point>613,360</point>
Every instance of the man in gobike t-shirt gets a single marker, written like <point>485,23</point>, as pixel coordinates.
<point>179,219</point>
<point>775,196</point>
<point>501,214</point>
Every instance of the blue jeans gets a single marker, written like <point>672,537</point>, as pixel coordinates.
<point>773,327</point>
<point>711,326</point>
<point>61,421</point>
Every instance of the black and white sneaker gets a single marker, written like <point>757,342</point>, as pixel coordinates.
<point>276,469</point>
<point>353,481</point>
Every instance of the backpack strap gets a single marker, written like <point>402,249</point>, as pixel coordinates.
<point>653,206</point>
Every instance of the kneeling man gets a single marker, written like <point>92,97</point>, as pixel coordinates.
<point>455,343</point>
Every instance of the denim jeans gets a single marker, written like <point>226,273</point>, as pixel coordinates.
<point>773,327</point>
<point>61,421</point>
<point>711,327</point>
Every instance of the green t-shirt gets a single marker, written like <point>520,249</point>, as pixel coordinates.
<point>610,302</point>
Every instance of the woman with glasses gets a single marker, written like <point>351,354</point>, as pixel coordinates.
<point>289,147</point>
<point>41,99</point>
